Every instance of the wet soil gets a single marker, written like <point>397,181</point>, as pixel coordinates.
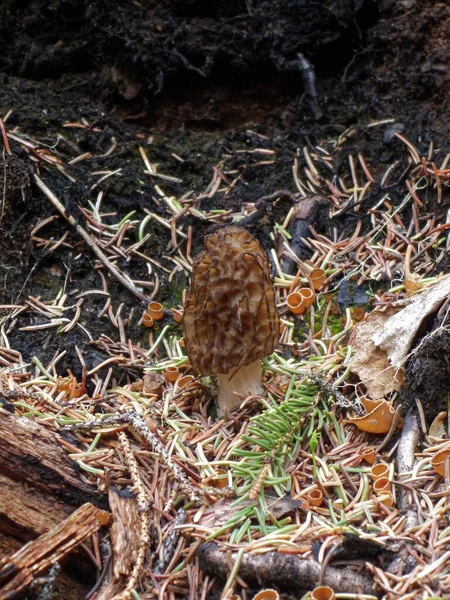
<point>428,372</point>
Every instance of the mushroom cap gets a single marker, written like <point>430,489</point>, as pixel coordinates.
<point>230,318</point>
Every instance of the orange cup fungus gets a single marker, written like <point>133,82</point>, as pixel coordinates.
<point>147,320</point>
<point>323,593</point>
<point>71,386</point>
<point>386,498</point>
<point>378,419</point>
<point>315,498</point>
<point>220,480</point>
<point>318,277</point>
<point>267,595</point>
<point>308,296</point>
<point>439,459</point>
<point>382,485</point>
<point>185,381</point>
<point>358,313</point>
<point>172,374</point>
<point>369,455</point>
<point>295,303</point>
<point>379,471</point>
<point>177,315</point>
<point>155,310</point>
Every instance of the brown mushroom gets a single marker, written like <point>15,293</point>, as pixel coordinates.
<point>230,319</point>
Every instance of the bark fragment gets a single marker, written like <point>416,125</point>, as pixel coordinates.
<point>37,556</point>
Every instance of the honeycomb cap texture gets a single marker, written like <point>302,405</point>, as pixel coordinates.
<point>230,318</point>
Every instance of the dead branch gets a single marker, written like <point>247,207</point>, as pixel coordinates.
<point>284,570</point>
<point>405,463</point>
<point>39,555</point>
<point>39,486</point>
<point>32,454</point>
<point>405,453</point>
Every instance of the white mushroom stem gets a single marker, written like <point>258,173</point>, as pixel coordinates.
<point>247,381</point>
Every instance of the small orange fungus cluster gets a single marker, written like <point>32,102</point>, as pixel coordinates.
<point>154,312</point>
<point>175,376</point>
<point>382,487</point>
<point>301,299</point>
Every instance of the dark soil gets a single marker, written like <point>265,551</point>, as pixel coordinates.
<point>428,371</point>
<point>197,76</point>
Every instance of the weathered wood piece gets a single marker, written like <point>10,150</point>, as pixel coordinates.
<point>37,556</point>
<point>39,484</point>
<point>125,535</point>
<point>26,512</point>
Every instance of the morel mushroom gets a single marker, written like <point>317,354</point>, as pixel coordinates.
<point>230,318</point>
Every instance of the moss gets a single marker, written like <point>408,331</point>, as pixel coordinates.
<point>334,324</point>
<point>173,291</point>
<point>333,320</point>
<point>174,328</point>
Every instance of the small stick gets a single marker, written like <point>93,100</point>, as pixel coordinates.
<point>406,451</point>
<point>90,242</point>
<point>309,82</point>
<point>5,138</point>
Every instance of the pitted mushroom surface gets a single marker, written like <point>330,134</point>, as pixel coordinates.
<point>230,318</point>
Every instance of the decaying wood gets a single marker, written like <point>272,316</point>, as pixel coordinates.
<point>65,586</point>
<point>284,570</point>
<point>125,536</point>
<point>37,556</point>
<point>39,485</point>
<point>26,512</point>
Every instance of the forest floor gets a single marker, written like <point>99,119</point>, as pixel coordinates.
<point>129,131</point>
